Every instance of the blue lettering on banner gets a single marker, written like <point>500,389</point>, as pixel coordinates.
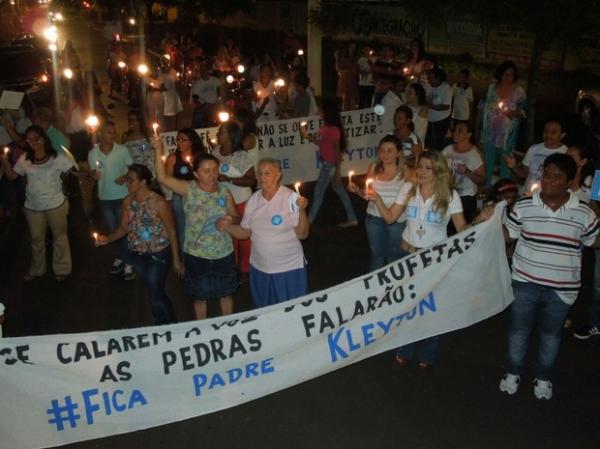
<point>229,377</point>
<point>344,341</point>
<point>276,220</point>
<point>93,402</point>
<point>361,153</point>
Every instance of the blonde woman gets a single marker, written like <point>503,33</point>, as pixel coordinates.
<point>429,205</point>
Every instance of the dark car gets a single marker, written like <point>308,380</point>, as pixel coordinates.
<point>24,68</point>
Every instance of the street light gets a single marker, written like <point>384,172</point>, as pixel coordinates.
<point>142,69</point>
<point>51,34</point>
<point>131,21</point>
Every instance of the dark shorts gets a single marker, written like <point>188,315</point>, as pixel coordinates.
<point>210,279</point>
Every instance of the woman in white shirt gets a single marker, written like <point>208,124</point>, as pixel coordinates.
<point>172,103</point>
<point>45,202</point>
<point>404,130</point>
<point>387,174</point>
<point>429,206</point>
<point>275,221</point>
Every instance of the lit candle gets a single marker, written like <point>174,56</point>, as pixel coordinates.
<point>229,79</point>
<point>164,158</point>
<point>350,174</point>
<point>68,73</point>
<point>98,165</point>
<point>6,150</point>
<point>241,68</point>
<point>534,187</point>
<point>279,82</point>
<point>142,69</point>
<point>297,187</point>
<point>300,52</point>
<point>95,235</point>
<point>213,140</point>
<point>223,116</point>
<point>367,184</point>
<point>92,121</point>
<point>155,128</point>
<point>406,70</point>
<point>121,64</point>
<point>303,124</point>
<point>188,159</point>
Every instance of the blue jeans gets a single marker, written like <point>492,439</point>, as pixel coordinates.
<point>179,220</point>
<point>326,176</point>
<point>153,269</point>
<point>594,309</point>
<point>427,352</point>
<point>535,306</point>
<point>111,213</point>
<point>384,241</point>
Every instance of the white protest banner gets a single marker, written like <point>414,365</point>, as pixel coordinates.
<point>60,389</point>
<point>281,140</point>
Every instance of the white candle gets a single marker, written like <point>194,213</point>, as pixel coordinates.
<point>300,52</point>
<point>223,116</point>
<point>350,174</point>
<point>164,158</point>
<point>6,150</point>
<point>534,187</point>
<point>155,128</point>
<point>367,184</point>
<point>188,159</point>
<point>303,124</point>
<point>297,187</point>
<point>95,235</point>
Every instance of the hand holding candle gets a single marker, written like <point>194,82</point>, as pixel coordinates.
<point>350,174</point>
<point>368,183</point>
<point>535,186</point>
<point>297,187</point>
<point>155,129</point>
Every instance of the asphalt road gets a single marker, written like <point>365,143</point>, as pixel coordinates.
<point>375,403</point>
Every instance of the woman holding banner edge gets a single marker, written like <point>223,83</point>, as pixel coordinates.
<point>429,205</point>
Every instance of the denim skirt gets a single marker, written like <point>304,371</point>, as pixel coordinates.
<point>210,278</point>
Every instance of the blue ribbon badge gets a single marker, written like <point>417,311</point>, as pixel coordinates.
<point>222,202</point>
<point>277,220</point>
<point>224,168</point>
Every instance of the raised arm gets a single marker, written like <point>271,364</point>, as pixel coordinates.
<point>178,186</point>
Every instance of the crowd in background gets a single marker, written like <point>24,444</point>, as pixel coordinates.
<point>217,213</point>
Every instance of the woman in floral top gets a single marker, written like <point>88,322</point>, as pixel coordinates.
<point>148,223</point>
<point>501,111</point>
<point>211,272</point>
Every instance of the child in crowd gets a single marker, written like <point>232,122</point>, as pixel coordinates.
<point>462,106</point>
<point>532,166</point>
<point>550,221</point>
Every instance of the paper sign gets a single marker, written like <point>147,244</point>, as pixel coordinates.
<point>11,99</point>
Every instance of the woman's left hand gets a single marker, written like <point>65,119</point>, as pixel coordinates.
<point>302,202</point>
<point>179,268</point>
<point>224,222</point>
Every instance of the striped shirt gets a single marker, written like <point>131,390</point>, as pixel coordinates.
<point>549,245</point>
<point>388,191</point>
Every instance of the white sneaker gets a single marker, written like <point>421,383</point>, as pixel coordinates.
<point>542,389</point>
<point>510,383</point>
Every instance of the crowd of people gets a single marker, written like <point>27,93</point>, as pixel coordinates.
<point>218,215</point>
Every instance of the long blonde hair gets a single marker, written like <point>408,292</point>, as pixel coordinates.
<point>444,185</point>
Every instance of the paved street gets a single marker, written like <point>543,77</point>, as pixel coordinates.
<point>373,404</point>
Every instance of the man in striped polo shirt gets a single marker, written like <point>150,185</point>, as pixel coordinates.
<point>551,226</point>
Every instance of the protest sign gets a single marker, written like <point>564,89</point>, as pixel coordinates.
<point>299,159</point>
<point>60,389</point>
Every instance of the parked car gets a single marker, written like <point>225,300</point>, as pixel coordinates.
<point>24,68</point>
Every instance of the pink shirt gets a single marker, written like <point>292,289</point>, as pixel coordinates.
<point>328,136</point>
<point>275,245</point>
